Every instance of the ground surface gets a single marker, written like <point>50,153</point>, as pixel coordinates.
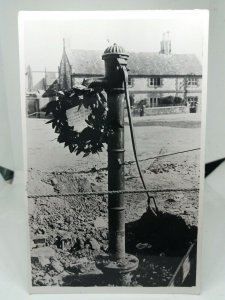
<point>75,228</point>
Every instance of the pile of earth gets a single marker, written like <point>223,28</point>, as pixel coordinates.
<point>75,229</point>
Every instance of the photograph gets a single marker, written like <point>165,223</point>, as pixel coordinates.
<point>114,109</point>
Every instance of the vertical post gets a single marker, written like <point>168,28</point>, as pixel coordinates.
<point>45,80</point>
<point>116,210</point>
<point>37,109</point>
<point>115,97</point>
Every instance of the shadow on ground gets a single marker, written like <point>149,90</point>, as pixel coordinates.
<point>159,242</point>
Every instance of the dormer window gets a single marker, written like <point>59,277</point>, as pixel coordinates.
<point>192,81</point>
<point>154,81</point>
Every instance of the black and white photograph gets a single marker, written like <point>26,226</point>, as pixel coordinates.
<point>114,106</point>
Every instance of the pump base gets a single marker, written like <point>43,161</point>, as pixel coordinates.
<point>117,272</point>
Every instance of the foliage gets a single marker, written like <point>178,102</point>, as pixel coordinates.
<point>93,137</point>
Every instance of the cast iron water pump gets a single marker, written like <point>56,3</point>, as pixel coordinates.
<point>117,265</point>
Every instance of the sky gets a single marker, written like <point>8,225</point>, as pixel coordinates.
<point>43,39</point>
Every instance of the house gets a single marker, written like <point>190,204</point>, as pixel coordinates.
<point>35,99</point>
<point>158,79</point>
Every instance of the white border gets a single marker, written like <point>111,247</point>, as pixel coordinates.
<point>202,152</point>
<point>128,14</point>
<point>24,137</point>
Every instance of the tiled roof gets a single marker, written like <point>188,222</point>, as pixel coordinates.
<point>161,64</point>
<point>142,63</point>
<point>50,78</point>
<point>51,90</point>
<point>40,85</point>
<point>86,61</point>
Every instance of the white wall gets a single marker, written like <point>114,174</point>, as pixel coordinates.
<point>168,84</point>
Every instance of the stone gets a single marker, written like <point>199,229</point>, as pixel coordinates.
<point>82,266</point>
<point>74,268</point>
<point>43,252</point>
<point>80,243</point>
<point>69,219</point>
<point>52,273</point>
<point>104,199</point>
<point>32,245</point>
<point>35,226</point>
<point>46,280</point>
<point>170,200</point>
<point>87,246</point>
<point>141,246</point>
<point>55,281</point>
<point>39,240</point>
<point>57,266</point>
<point>40,230</point>
<point>40,219</point>
<point>82,260</point>
<point>100,222</point>
<point>94,244</point>
<point>104,235</point>
<point>34,259</point>
<point>104,248</point>
<point>44,261</point>
<point>54,181</point>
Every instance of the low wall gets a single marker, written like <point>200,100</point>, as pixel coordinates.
<point>163,110</point>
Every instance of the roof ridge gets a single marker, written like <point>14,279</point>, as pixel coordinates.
<point>136,52</point>
<point>140,63</point>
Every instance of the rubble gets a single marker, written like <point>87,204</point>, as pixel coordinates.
<point>68,233</point>
<point>56,265</point>
<point>94,244</point>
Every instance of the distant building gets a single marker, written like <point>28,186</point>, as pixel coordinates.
<point>159,79</point>
<point>45,82</point>
<point>65,70</point>
<point>35,92</point>
<point>29,79</point>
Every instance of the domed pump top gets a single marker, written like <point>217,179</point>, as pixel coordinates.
<point>115,51</point>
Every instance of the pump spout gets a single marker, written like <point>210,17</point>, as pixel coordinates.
<point>96,83</point>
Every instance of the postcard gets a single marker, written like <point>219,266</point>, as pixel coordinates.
<point>114,110</point>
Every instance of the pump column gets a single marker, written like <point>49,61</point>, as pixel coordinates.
<point>118,265</point>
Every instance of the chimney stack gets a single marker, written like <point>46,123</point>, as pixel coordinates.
<point>165,44</point>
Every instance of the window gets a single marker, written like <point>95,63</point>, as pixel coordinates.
<point>192,104</point>
<point>153,102</point>
<point>154,81</point>
<point>192,81</point>
<point>130,81</point>
<point>193,101</point>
